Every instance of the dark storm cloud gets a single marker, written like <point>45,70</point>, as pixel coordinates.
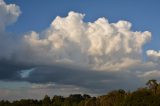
<point>10,70</point>
<point>96,80</point>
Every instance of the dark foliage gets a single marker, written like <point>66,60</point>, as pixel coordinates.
<point>149,96</point>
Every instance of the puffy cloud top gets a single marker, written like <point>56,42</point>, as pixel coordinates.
<point>8,14</point>
<point>100,45</point>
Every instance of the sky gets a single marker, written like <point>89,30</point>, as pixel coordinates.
<point>64,47</point>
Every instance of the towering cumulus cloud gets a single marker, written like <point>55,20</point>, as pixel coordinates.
<point>100,45</point>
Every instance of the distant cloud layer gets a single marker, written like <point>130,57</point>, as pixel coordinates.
<point>92,55</point>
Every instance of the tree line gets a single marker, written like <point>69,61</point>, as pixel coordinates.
<point>147,96</point>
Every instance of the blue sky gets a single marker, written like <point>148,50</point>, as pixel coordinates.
<point>42,54</point>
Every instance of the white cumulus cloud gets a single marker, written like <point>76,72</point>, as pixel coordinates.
<point>154,55</point>
<point>99,45</point>
<point>8,14</point>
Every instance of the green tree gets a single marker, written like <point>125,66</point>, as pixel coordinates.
<point>91,102</point>
<point>85,96</point>
<point>140,97</point>
<point>153,85</point>
<point>114,98</point>
<point>46,101</point>
<point>57,100</point>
